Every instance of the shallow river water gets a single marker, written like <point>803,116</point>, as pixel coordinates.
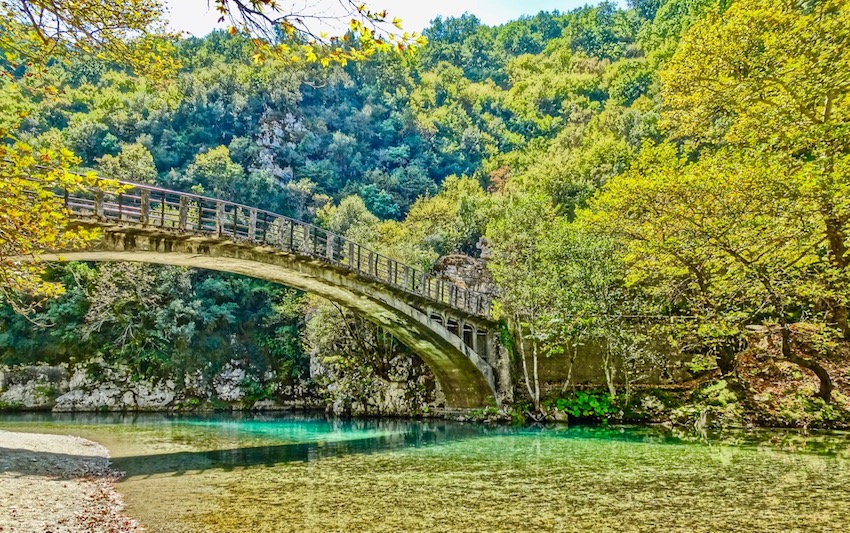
<point>308,473</point>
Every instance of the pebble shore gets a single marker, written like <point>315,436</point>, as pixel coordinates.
<point>58,484</point>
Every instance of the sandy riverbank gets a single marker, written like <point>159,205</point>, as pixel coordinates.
<point>59,484</point>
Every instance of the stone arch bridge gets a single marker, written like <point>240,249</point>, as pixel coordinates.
<point>447,325</point>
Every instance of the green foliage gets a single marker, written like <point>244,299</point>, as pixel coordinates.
<point>701,362</point>
<point>716,394</point>
<point>804,411</point>
<point>712,405</point>
<point>628,80</point>
<point>601,31</point>
<point>585,405</point>
<point>157,320</point>
<point>255,391</point>
<point>11,406</point>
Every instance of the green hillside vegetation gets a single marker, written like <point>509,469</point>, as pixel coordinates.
<point>679,169</point>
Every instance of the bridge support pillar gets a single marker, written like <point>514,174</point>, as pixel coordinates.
<point>498,357</point>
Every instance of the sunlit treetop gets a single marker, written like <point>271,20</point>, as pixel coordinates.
<point>763,71</point>
<point>131,32</point>
<point>282,30</point>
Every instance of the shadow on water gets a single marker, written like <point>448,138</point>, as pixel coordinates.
<point>228,459</point>
<point>179,463</point>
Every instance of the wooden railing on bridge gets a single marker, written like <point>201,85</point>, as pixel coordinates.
<point>150,206</point>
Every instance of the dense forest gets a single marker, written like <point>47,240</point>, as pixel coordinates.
<point>672,173</point>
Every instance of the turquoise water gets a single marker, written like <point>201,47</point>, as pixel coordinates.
<point>309,473</point>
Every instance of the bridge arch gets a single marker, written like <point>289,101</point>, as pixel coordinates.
<point>150,225</point>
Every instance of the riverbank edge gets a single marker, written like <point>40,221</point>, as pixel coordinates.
<point>696,417</point>
<point>59,483</point>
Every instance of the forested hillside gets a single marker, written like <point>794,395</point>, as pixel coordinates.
<point>674,173</point>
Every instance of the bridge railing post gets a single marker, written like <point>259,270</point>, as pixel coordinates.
<point>184,214</point>
<point>281,233</point>
<point>252,225</point>
<point>98,205</point>
<point>265,227</point>
<point>219,218</point>
<point>290,244</point>
<point>235,222</point>
<point>320,242</point>
<point>162,210</point>
<point>145,207</point>
<point>330,247</point>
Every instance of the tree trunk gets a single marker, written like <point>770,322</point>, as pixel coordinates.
<point>726,362</point>
<point>839,316</point>
<point>836,241</point>
<point>727,357</point>
<point>536,374</point>
<point>569,379</point>
<point>826,386</point>
<point>525,365</point>
<point>609,372</point>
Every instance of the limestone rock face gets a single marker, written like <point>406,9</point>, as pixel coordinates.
<point>277,130</point>
<point>32,387</point>
<point>114,391</point>
<point>103,397</point>
<point>407,388</point>
<point>228,384</point>
<point>467,272</point>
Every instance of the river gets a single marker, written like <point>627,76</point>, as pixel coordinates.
<point>260,473</point>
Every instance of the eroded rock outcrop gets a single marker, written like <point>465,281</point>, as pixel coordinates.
<point>114,390</point>
<point>468,272</point>
<point>32,387</point>
<point>103,388</point>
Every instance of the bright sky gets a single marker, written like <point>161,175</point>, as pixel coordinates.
<point>195,17</point>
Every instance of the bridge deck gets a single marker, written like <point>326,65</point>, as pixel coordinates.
<point>151,206</point>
